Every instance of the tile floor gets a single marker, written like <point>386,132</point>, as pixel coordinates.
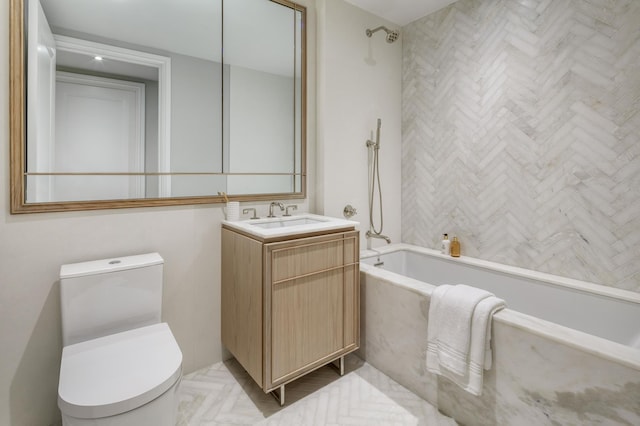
<point>224,394</point>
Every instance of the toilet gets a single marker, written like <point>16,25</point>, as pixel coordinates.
<point>120,364</point>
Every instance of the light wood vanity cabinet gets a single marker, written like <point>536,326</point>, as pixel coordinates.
<point>289,307</point>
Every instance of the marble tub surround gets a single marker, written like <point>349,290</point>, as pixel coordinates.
<point>543,377</point>
<point>596,310</point>
<point>521,127</point>
<point>225,394</point>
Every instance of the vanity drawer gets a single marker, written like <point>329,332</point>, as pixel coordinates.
<point>310,256</point>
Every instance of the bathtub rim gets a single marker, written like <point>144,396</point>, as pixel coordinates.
<point>599,289</point>
<point>594,345</point>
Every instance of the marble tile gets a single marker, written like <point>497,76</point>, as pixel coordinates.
<point>534,380</point>
<point>393,330</point>
<point>521,124</point>
<point>224,394</point>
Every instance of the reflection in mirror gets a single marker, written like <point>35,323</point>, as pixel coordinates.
<point>108,114</point>
<point>135,111</point>
<point>262,87</point>
<point>123,93</point>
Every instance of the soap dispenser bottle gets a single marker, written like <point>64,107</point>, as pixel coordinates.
<point>446,245</point>
<point>455,247</point>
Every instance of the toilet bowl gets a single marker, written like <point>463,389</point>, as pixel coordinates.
<point>119,365</point>
<point>111,377</point>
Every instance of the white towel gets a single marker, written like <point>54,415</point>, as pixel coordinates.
<point>459,333</point>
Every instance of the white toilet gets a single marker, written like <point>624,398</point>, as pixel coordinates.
<point>120,364</point>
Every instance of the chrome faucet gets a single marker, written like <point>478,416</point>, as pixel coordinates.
<point>250,209</point>
<point>292,207</point>
<point>271,208</point>
<point>382,237</point>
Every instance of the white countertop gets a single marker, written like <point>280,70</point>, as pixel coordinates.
<point>315,223</point>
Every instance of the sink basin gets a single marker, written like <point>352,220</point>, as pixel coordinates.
<point>289,226</point>
<point>284,222</point>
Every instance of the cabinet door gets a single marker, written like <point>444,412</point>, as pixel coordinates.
<point>309,284</point>
<point>307,321</point>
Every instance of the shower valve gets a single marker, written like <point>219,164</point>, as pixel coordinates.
<point>349,211</point>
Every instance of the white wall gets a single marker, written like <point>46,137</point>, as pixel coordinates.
<point>359,81</point>
<point>32,248</point>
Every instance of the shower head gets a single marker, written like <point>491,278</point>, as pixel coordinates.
<point>392,35</point>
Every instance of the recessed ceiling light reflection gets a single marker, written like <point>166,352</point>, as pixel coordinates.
<point>97,58</point>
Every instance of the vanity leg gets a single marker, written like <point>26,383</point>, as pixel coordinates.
<point>338,364</point>
<point>278,394</point>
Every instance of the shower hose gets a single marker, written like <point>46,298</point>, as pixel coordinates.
<point>375,181</point>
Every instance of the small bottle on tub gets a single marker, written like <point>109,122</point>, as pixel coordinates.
<point>445,248</point>
<point>455,247</point>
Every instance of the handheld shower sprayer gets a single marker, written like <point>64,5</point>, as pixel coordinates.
<point>374,181</point>
<point>376,144</point>
<point>392,35</point>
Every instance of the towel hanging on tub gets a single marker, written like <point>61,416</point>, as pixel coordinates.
<point>459,334</point>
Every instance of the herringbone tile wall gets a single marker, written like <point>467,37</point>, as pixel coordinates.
<point>521,134</point>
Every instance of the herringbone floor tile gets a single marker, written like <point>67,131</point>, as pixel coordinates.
<point>224,394</point>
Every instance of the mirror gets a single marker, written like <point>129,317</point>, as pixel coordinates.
<point>123,104</point>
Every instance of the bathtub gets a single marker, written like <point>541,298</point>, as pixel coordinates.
<point>565,352</point>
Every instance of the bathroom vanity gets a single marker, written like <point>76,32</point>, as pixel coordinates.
<point>290,296</point>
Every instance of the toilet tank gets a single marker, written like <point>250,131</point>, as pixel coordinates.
<point>108,296</point>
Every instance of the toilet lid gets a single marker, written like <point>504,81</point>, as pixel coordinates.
<point>117,373</point>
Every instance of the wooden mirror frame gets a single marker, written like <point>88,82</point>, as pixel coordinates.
<point>17,136</point>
